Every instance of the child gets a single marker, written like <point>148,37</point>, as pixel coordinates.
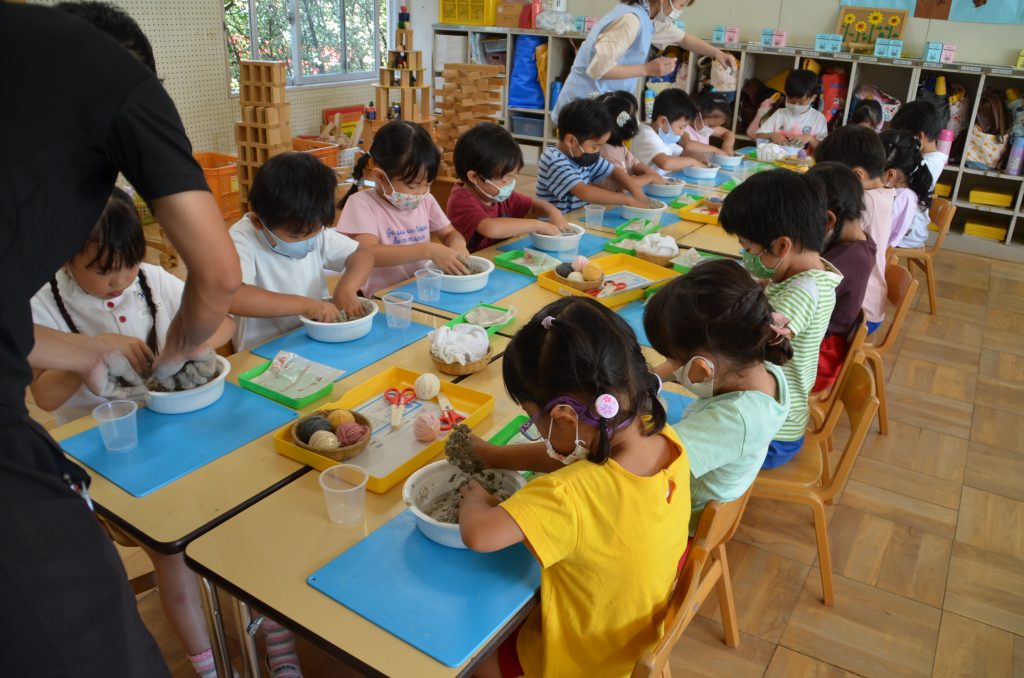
<point>606,530</point>
<point>658,144</point>
<point>861,150</point>
<point>484,207</point>
<point>622,107</point>
<point>851,251</point>
<point>924,120</point>
<point>779,217</point>
<point>906,172</point>
<point>284,247</point>
<point>868,114</point>
<point>725,345</point>
<point>396,219</point>
<point>799,123</point>
<point>568,172</point>
<point>714,113</point>
<point>105,291</point>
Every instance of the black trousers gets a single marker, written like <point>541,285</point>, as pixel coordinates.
<point>65,605</point>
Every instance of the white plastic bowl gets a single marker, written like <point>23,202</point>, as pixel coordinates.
<point>458,284</point>
<point>701,172</point>
<point>346,331</point>
<point>641,213</point>
<point>433,480</point>
<point>180,402</point>
<point>558,243</point>
<point>672,188</point>
<point>727,161</point>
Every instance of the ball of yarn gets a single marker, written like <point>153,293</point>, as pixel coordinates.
<point>575,276</point>
<point>324,440</point>
<point>339,417</point>
<point>305,429</point>
<point>426,427</point>
<point>427,386</point>
<point>351,433</point>
<point>579,263</point>
<point>592,273</point>
<point>563,270</point>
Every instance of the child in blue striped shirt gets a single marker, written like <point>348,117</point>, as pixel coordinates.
<point>568,172</point>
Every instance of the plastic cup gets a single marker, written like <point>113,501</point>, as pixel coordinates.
<point>118,426</point>
<point>344,489</point>
<point>398,309</point>
<point>594,214</point>
<point>428,284</point>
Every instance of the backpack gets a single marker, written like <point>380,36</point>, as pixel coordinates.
<point>751,96</point>
<point>835,87</point>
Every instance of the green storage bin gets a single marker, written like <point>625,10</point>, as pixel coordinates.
<point>612,245</point>
<point>492,330</point>
<point>245,381</point>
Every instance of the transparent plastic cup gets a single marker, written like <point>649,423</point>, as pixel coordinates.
<point>594,214</point>
<point>428,284</point>
<point>398,309</point>
<point>118,426</point>
<point>344,488</point>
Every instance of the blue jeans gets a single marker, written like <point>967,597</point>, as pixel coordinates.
<point>781,451</point>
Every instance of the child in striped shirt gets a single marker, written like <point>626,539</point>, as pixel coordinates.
<point>779,217</point>
<point>568,173</point>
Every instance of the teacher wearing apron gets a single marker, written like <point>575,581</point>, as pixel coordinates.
<point>614,55</point>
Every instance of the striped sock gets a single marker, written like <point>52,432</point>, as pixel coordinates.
<point>281,657</point>
<point>203,664</point>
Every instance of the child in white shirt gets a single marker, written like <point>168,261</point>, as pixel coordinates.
<point>909,175</point>
<point>798,123</point>
<point>923,120</point>
<point>713,115</point>
<point>658,144</point>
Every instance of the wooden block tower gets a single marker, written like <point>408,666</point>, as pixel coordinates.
<point>472,94</point>
<point>403,92</point>
<point>265,128</point>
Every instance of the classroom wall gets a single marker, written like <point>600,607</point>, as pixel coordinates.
<point>982,43</point>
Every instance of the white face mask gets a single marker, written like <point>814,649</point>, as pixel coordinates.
<point>672,14</point>
<point>579,451</point>
<point>798,109</point>
<point>704,389</point>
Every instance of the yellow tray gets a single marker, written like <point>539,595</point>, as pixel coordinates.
<point>990,230</point>
<point>398,460</point>
<point>987,195</point>
<point>697,211</point>
<point>611,264</point>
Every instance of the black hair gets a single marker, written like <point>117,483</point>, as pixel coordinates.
<point>116,23</point>
<point>578,347</point>
<point>718,307</point>
<point>854,146</point>
<point>903,153</point>
<point>709,102</point>
<point>617,103</point>
<point>868,110</point>
<point>489,150</point>
<point>585,119</point>
<point>777,203</point>
<point>802,83</point>
<point>843,190</point>
<point>402,150</point>
<point>674,104</point>
<point>919,117</point>
<point>294,192</point>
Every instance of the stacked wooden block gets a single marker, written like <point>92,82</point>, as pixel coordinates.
<point>265,129</point>
<point>403,82</point>
<point>472,94</point>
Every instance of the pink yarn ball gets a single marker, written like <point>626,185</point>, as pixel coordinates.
<point>351,433</point>
<point>579,263</point>
<point>426,427</point>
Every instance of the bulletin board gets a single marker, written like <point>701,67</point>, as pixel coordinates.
<point>862,26</point>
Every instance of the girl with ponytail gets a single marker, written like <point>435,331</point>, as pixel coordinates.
<point>622,107</point>
<point>913,182</point>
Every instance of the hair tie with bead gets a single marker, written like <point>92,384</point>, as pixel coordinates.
<point>547,322</point>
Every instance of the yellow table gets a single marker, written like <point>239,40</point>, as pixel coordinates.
<point>712,238</point>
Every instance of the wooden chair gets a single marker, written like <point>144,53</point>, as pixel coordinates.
<point>901,288</point>
<point>157,240</point>
<point>941,214</point>
<point>706,568</point>
<point>441,189</point>
<point>800,480</point>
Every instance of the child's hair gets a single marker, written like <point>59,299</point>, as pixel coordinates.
<point>584,119</point>
<point>116,23</point>
<point>622,107</point>
<point>120,243</point>
<point>867,111</point>
<point>577,347</point>
<point>843,190</point>
<point>294,192</point>
<point>854,146</point>
<point>919,117</point>
<point>718,307</point>
<point>903,153</point>
<point>802,83</point>
<point>777,203</point>
<point>674,104</point>
<point>709,102</point>
<point>403,151</point>
<point>489,150</point>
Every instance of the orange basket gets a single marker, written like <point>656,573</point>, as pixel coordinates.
<point>221,172</point>
<point>326,151</point>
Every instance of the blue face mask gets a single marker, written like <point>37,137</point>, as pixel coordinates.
<point>292,250</point>
<point>504,192</point>
<point>669,137</point>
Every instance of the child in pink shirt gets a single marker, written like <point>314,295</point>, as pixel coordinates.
<point>396,218</point>
<point>622,106</point>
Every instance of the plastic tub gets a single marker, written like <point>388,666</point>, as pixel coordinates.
<point>672,188</point>
<point>654,213</point>
<point>180,402</point>
<point>346,331</point>
<point>701,172</point>
<point>558,243</point>
<point>727,161</point>
<point>459,284</point>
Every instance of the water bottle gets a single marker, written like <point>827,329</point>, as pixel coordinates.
<point>556,89</point>
<point>1016,161</point>
<point>945,141</point>
<point>649,104</point>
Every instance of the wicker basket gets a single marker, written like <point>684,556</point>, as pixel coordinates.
<point>657,260</point>
<point>584,286</point>
<point>339,454</point>
<point>457,370</point>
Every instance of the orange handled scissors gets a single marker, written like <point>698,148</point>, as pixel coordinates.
<point>398,399</point>
<point>449,417</point>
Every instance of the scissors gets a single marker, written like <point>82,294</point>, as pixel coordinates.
<point>612,287</point>
<point>398,399</point>
<point>449,417</point>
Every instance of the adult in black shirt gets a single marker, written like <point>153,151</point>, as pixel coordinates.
<point>77,109</point>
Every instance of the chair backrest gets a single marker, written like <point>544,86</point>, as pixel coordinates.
<point>854,345</point>
<point>900,289</point>
<point>941,214</point>
<point>860,403</point>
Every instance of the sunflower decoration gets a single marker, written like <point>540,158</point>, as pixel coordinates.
<point>895,20</point>
<point>875,18</point>
<point>861,27</point>
<point>849,19</point>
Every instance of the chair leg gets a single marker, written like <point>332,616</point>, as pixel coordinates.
<point>726,602</point>
<point>878,367</point>
<point>929,274</point>
<point>824,553</point>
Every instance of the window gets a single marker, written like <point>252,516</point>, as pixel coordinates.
<point>330,40</point>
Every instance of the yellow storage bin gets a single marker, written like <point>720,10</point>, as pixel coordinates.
<point>943,190</point>
<point>990,195</point>
<point>985,228</point>
<point>469,12</point>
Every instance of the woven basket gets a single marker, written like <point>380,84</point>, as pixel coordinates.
<point>457,370</point>
<point>339,454</point>
<point>584,286</point>
<point>657,260</point>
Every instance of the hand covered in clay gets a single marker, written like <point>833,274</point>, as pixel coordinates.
<point>475,492</point>
<point>114,378</point>
<point>191,373</point>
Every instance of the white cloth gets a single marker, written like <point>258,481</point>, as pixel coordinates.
<point>461,344</point>
<point>657,245</point>
<point>268,270</point>
<point>647,144</point>
<point>809,122</point>
<point>127,314</point>
<point>935,162</point>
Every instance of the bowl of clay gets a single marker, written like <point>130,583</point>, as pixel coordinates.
<point>672,188</point>
<point>702,172</point>
<point>653,211</point>
<point>343,330</point>
<point>180,402</point>
<point>428,491</point>
<point>458,284</point>
<point>727,161</point>
<point>567,240</point>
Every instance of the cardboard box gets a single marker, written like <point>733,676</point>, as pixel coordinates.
<point>718,35</point>
<point>823,42</point>
<point>882,47</point>
<point>932,52</point>
<point>767,36</point>
<point>779,38</point>
<point>732,34</point>
<point>948,53</point>
<point>588,23</point>
<point>836,43</point>
<point>895,49</point>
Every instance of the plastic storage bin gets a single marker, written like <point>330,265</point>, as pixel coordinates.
<point>221,172</point>
<point>327,152</point>
<point>527,125</point>
<point>469,12</point>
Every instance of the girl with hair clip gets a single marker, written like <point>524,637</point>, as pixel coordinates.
<point>905,171</point>
<point>577,370</point>
<point>713,114</point>
<point>622,107</point>
<point>395,220</point>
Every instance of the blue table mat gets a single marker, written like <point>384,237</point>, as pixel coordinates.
<point>444,602</point>
<point>613,218</point>
<point>501,284</point>
<point>173,445</point>
<point>349,356</point>
<point>676,405</point>
<point>590,245</point>
<point>633,314</point>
